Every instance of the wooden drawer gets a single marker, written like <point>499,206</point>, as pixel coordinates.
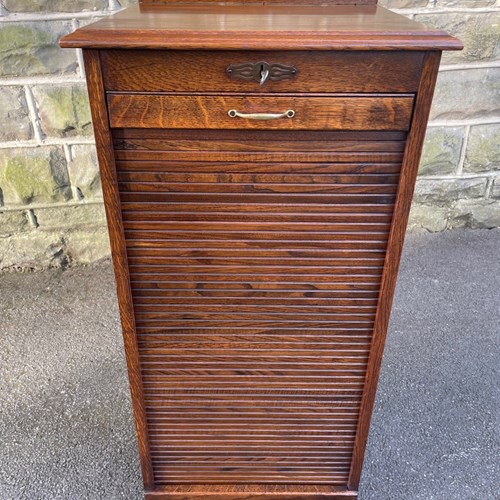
<point>391,112</point>
<point>207,71</point>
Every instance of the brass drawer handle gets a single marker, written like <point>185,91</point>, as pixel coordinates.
<point>261,116</point>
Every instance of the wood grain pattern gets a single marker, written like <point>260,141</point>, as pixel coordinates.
<point>255,297</point>
<point>252,492</point>
<point>174,71</point>
<point>289,2</point>
<point>110,191</point>
<point>260,27</point>
<point>210,112</point>
<point>394,249</point>
<point>256,261</point>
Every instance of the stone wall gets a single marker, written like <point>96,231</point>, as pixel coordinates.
<point>51,211</point>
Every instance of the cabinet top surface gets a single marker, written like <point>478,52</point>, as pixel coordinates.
<point>236,27</point>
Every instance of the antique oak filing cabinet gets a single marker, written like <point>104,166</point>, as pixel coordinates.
<point>258,164</point>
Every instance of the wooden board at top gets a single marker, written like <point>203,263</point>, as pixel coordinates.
<point>291,2</point>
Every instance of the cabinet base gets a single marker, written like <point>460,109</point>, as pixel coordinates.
<point>250,492</point>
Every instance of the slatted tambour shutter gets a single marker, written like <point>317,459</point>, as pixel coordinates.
<point>255,264</point>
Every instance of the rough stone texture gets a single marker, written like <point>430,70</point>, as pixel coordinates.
<point>14,115</point>
<point>54,5</point>
<point>480,33</point>
<point>13,222</point>
<point>483,149</point>
<point>432,219</point>
<point>403,4</point>
<point>124,3</point>
<point>36,249</point>
<point>31,48</point>
<point>441,152</point>
<point>84,172</point>
<point>473,214</point>
<point>34,175</point>
<point>63,236</point>
<point>467,94</point>
<point>442,192</point>
<point>71,217</point>
<point>466,3</point>
<point>495,189</point>
<point>88,245</point>
<point>64,110</point>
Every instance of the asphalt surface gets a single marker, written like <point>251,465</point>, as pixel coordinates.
<point>66,429</point>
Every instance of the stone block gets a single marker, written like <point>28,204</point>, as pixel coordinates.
<point>31,48</point>
<point>480,33</point>
<point>84,172</point>
<point>64,110</point>
<point>124,3</point>
<point>441,152</point>
<point>483,149</point>
<point>32,251</point>
<point>13,222</point>
<point>54,5</point>
<point>428,217</point>
<point>71,217</point>
<point>404,4</point>
<point>88,245</point>
<point>65,236</point>
<point>495,189</point>
<point>475,214</point>
<point>466,3</point>
<point>467,94</point>
<point>14,115</point>
<point>34,175</point>
<point>446,191</point>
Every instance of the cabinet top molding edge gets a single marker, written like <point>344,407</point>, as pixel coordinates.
<point>228,26</point>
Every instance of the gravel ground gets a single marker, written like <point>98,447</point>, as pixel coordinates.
<point>66,428</point>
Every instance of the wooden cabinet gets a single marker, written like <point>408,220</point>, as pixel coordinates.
<point>257,164</point>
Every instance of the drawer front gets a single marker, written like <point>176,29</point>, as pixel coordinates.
<point>209,71</point>
<point>265,113</point>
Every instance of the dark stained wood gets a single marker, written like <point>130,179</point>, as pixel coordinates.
<point>396,239</point>
<point>209,112</point>
<point>251,492</point>
<point>256,261</point>
<point>261,27</point>
<point>289,2</point>
<point>174,71</point>
<point>118,251</point>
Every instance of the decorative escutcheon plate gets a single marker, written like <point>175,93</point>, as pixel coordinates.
<point>261,71</point>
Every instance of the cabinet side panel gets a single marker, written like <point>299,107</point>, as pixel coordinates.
<point>112,203</point>
<point>395,245</point>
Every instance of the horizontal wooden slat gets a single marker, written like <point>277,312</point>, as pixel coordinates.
<point>284,144</point>
<point>251,189</point>
<point>339,251</point>
<point>201,166</point>
<point>245,141</point>
<point>259,157</point>
<point>214,227</point>
<point>250,340</point>
<point>223,178</point>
